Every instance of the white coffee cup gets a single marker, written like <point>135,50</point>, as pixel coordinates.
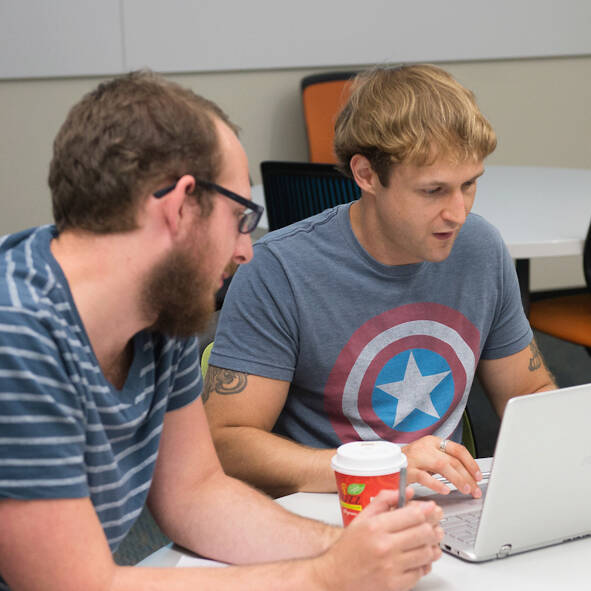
<point>364,468</point>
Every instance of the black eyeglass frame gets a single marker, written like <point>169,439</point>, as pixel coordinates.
<point>249,220</point>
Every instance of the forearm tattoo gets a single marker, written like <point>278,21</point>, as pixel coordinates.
<point>223,381</point>
<point>535,361</point>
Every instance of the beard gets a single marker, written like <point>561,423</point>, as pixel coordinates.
<point>181,293</point>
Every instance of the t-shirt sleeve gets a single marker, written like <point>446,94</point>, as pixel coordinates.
<point>510,331</point>
<point>42,423</point>
<point>257,331</point>
<point>187,384</point>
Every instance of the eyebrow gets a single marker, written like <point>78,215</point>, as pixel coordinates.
<point>435,182</point>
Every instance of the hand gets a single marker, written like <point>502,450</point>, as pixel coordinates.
<point>455,463</point>
<point>384,548</point>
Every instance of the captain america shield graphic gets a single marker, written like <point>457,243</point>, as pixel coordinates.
<point>403,374</point>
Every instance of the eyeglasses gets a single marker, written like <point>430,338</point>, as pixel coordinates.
<point>248,221</point>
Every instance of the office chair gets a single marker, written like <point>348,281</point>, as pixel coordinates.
<point>323,96</point>
<point>567,317</point>
<point>468,438</point>
<point>297,190</point>
<point>205,358</point>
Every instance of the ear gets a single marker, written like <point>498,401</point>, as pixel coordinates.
<point>364,174</point>
<point>175,205</point>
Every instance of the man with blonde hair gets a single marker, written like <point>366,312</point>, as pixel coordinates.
<point>370,320</point>
<point>100,406</point>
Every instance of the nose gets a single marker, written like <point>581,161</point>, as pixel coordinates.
<point>457,207</point>
<point>243,251</point>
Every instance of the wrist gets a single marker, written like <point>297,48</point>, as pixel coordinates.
<point>330,537</point>
<point>318,476</point>
<point>324,573</point>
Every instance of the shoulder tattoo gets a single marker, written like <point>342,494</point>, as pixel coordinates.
<point>223,381</point>
<point>535,361</point>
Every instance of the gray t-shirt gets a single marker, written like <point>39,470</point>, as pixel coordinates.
<point>372,351</point>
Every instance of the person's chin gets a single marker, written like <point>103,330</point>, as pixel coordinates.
<point>440,254</point>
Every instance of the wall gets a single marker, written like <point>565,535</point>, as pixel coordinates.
<point>539,108</point>
<point>42,39</point>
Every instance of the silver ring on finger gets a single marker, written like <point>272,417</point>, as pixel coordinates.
<point>443,445</point>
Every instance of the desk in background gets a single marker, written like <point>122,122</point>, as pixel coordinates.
<point>539,211</point>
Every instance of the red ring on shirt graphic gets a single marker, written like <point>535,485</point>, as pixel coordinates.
<point>403,333</point>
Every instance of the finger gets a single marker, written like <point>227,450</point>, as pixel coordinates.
<point>420,557</point>
<point>450,465</point>
<point>465,458</point>
<point>400,520</point>
<point>425,479</point>
<point>409,493</point>
<point>385,500</point>
<point>463,483</point>
<point>452,469</point>
<point>422,535</point>
<point>409,579</point>
<point>437,553</point>
<point>417,536</point>
<point>432,511</point>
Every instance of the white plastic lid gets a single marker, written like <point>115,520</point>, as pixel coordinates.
<point>368,458</point>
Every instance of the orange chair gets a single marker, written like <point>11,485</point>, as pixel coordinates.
<point>323,96</point>
<point>567,317</point>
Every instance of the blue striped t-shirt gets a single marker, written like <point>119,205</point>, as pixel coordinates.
<point>65,431</point>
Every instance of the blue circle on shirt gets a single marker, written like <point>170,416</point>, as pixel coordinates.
<point>428,363</point>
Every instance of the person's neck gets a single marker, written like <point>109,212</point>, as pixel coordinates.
<point>104,274</point>
<point>371,235</point>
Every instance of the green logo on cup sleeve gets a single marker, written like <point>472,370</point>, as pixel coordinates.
<point>355,489</point>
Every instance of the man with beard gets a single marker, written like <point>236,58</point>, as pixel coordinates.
<point>100,406</point>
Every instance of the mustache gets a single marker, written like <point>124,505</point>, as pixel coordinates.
<point>230,268</point>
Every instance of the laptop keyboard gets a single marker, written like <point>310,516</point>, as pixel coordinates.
<point>463,527</point>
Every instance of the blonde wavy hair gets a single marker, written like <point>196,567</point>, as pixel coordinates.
<point>410,114</point>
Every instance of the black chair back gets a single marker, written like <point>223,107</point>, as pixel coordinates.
<point>297,190</point>
<point>587,258</point>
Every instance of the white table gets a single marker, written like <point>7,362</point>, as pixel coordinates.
<point>557,568</point>
<point>561,567</point>
<point>540,211</point>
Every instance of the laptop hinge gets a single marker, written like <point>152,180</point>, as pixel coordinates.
<point>504,551</point>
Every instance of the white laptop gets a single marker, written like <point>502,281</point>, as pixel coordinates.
<point>539,490</point>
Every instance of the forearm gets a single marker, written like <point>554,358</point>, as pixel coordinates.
<point>546,383</point>
<point>273,463</point>
<point>521,373</point>
<point>224,519</point>
<point>381,549</point>
<point>279,576</point>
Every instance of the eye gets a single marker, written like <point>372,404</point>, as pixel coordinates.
<point>469,184</point>
<point>433,191</point>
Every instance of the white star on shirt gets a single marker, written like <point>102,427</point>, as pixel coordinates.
<point>414,391</point>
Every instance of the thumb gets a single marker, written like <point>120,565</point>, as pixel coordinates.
<point>383,501</point>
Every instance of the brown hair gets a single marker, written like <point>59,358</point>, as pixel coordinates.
<point>410,113</point>
<point>122,140</point>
